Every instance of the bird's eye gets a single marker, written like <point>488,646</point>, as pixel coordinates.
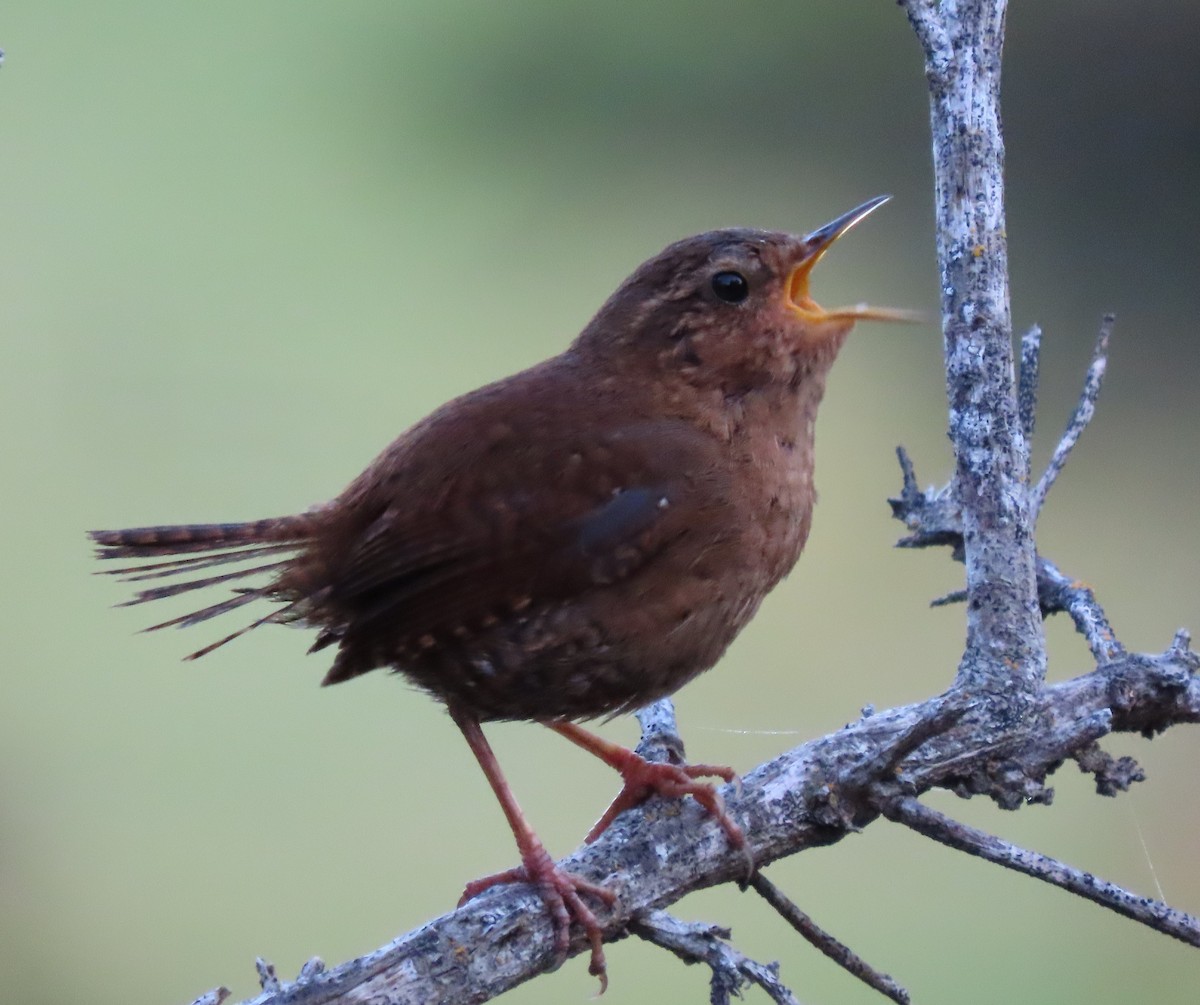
<point>730,287</point>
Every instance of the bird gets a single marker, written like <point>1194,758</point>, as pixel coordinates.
<point>571,542</point>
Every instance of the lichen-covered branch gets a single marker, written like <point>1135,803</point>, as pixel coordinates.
<point>935,517</point>
<point>999,732</point>
<point>1005,651</point>
<point>697,942</point>
<point>812,795</point>
<point>956,834</point>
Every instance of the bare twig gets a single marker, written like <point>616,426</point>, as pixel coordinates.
<point>1181,644</point>
<point>932,515</point>
<point>1057,592</point>
<point>934,520</point>
<point>1146,910</point>
<point>697,942</point>
<point>840,953</point>
<point>946,599</point>
<point>268,980</point>
<point>1080,417</point>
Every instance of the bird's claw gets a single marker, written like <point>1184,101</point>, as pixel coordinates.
<point>644,779</point>
<point>560,891</point>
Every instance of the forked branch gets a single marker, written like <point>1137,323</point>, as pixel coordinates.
<point>811,796</point>
<point>1000,732</point>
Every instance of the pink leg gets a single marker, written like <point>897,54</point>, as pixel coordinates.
<point>644,778</point>
<point>559,889</point>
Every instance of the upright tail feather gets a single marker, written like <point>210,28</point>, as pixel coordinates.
<point>207,545</point>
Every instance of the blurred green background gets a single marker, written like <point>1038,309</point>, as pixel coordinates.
<point>244,245</point>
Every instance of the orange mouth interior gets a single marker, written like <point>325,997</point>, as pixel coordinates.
<point>797,287</point>
<point>797,298</point>
<point>800,302</point>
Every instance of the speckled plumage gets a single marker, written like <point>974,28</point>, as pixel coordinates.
<point>561,566</point>
<point>587,535</point>
<point>575,540</point>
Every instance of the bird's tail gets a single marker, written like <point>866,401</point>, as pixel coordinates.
<point>205,546</point>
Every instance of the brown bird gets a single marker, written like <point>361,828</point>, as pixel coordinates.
<point>576,540</point>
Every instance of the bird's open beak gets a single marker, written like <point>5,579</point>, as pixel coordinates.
<point>816,244</point>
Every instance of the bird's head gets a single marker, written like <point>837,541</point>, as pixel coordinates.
<point>731,308</point>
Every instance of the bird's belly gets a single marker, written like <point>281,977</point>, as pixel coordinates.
<point>626,646</point>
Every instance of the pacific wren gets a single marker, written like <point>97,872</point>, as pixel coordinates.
<point>573,541</point>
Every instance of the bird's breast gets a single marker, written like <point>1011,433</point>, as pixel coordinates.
<point>773,445</point>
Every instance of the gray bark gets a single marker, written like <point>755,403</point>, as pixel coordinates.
<point>998,731</point>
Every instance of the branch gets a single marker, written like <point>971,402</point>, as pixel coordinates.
<point>697,942</point>
<point>1082,415</point>
<point>817,937</point>
<point>935,518</point>
<point>811,796</point>
<point>1000,732</point>
<point>660,735</point>
<point>958,835</point>
<point>1057,592</point>
<point>1005,656</point>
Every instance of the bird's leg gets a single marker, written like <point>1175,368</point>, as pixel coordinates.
<point>644,778</point>
<point>559,889</point>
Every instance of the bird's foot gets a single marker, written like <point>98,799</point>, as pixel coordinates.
<point>560,891</point>
<point>644,779</point>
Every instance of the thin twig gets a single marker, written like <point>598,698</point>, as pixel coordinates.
<point>839,952</point>
<point>932,515</point>
<point>1152,913</point>
<point>1080,418</point>
<point>908,474</point>
<point>697,942</point>
<point>933,520</point>
<point>1027,391</point>
<point>947,599</point>
<point>1057,592</point>
<point>268,980</point>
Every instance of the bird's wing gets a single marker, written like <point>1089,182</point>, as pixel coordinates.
<point>552,514</point>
